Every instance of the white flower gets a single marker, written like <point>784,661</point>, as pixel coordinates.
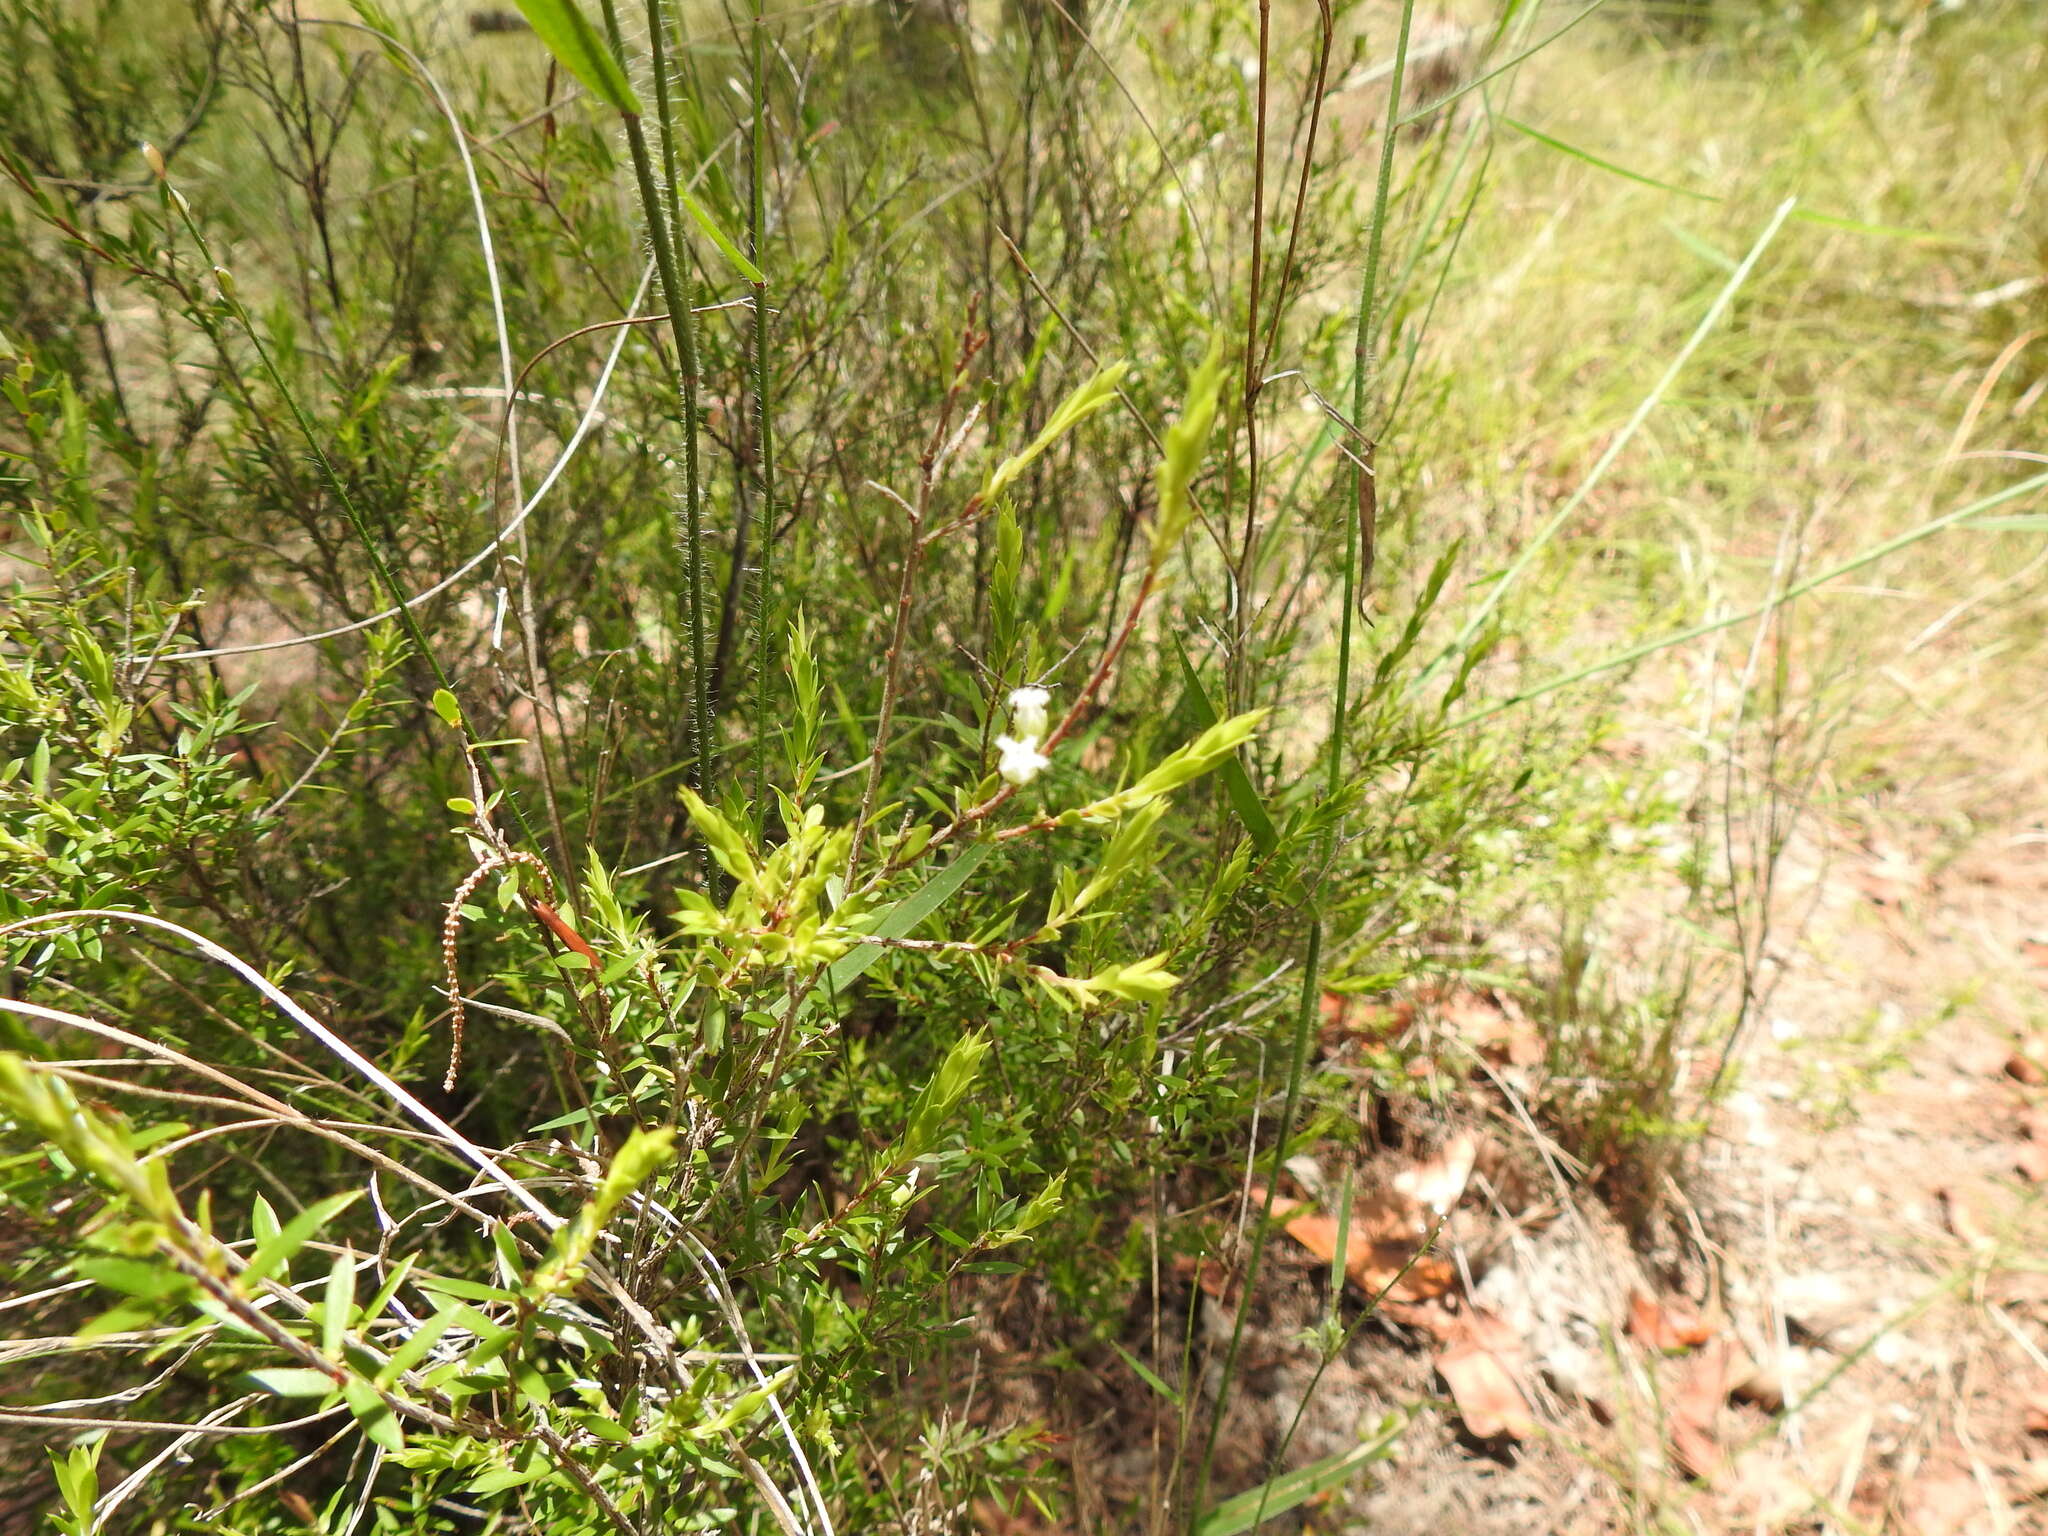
<point>1022,761</point>
<point>1027,711</point>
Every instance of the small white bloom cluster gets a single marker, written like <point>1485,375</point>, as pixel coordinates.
<point>1021,760</point>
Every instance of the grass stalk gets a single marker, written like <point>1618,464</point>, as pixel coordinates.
<point>764,406</point>
<point>670,268</point>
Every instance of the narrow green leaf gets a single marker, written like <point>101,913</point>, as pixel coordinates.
<point>901,919</point>
<point>378,1422</point>
<point>1146,1375</point>
<point>936,1101</point>
<point>1093,393</point>
<point>718,237</point>
<point>644,1153</point>
<point>278,1250</point>
<point>374,1308</point>
<point>294,1381</point>
<point>1244,799</point>
<point>571,38</point>
<point>338,1303</point>
<point>424,1338</point>
<point>1185,441</point>
<point>1802,215</point>
<point>1277,1495</point>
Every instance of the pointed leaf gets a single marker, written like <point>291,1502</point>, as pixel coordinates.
<point>571,38</point>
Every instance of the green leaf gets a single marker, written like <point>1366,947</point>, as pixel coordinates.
<point>145,1278</point>
<point>446,707</point>
<point>1140,981</point>
<point>1185,441</point>
<point>1277,1495</point>
<point>338,1303</point>
<point>78,1482</point>
<point>294,1381</point>
<point>374,1308</point>
<point>571,38</point>
<point>900,920</point>
<point>503,1479</point>
<point>469,1290</point>
<point>1829,220</point>
<point>937,1099</point>
<point>1096,391</point>
<point>422,1339</point>
<point>1218,743</point>
<point>1244,799</point>
<point>1146,1374</point>
<point>1041,1208</point>
<point>718,237</point>
<point>724,840</point>
<point>378,1422</point>
<point>644,1153</point>
<point>277,1250</point>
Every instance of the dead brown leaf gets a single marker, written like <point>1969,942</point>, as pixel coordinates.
<point>2030,1157</point>
<point>1961,1211</point>
<point>1704,1386</point>
<point>1669,1326</point>
<point>1431,1317</point>
<point>1380,1250</point>
<point>2036,1407</point>
<point>1499,1031</point>
<point>1480,1365</point>
<point>1944,1500</point>
<point>1208,1272</point>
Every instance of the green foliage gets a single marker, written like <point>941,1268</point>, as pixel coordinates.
<point>627,695</point>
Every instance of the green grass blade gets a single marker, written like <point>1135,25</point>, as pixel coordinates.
<point>1498,591</point>
<point>708,226</point>
<point>1146,1374</point>
<point>1277,1495</point>
<point>573,41</point>
<point>1801,215</point>
<point>1244,798</point>
<point>906,915</point>
<point>1612,169</point>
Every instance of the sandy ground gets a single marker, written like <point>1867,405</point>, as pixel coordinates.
<point>1862,1232</point>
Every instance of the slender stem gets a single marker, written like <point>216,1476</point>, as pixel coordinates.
<point>906,590</point>
<point>1358,547</point>
<point>1364,364</point>
<point>1240,659</point>
<point>686,345</point>
<point>1297,1065</point>
<point>764,422</point>
<point>675,292</point>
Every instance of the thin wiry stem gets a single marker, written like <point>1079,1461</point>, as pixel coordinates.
<point>1358,566</point>
<point>1358,545</point>
<point>764,408</point>
<point>675,292</point>
<point>694,581</point>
